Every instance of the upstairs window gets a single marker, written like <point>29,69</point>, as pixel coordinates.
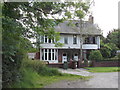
<point>90,40</point>
<point>66,40</point>
<point>45,39</point>
<point>74,39</point>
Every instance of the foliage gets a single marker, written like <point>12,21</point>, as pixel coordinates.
<point>34,74</point>
<point>103,69</point>
<point>114,37</point>
<point>105,51</point>
<point>118,56</point>
<point>13,49</point>
<point>40,67</point>
<point>113,47</point>
<point>95,55</point>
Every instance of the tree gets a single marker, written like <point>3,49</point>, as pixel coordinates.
<point>105,51</point>
<point>95,55</point>
<point>114,37</point>
<point>114,48</point>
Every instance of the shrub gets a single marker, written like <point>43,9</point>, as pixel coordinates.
<point>46,71</point>
<point>34,64</point>
<point>95,55</point>
<point>40,67</point>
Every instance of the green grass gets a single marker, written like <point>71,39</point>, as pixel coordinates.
<point>31,79</point>
<point>103,69</point>
<point>35,74</point>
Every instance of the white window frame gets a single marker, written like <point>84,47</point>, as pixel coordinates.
<point>53,51</point>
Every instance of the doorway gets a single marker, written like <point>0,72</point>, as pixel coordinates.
<point>64,57</point>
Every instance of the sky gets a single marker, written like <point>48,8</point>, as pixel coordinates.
<point>105,13</point>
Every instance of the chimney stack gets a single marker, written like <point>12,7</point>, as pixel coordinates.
<point>91,19</point>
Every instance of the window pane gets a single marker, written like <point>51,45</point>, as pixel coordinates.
<point>53,50</point>
<point>42,38</point>
<point>42,55</point>
<point>52,56</point>
<point>49,41</point>
<point>45,56</point>
<point>49,55</point>
<point>45,39</point>
<point>74,39</point>
<point>45,50</point>
<point>94,41</point>
<point>65,40</point>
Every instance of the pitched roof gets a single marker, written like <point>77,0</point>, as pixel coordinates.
<point>73,27</point>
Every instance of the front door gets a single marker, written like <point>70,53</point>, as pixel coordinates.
<point>76,57</point>
<point>64,57</point>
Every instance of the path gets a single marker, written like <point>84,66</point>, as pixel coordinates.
<point>99,80</point>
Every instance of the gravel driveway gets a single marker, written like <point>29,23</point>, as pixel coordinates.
<point>99,80</point>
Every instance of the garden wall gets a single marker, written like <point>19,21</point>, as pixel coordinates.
<point>109,63</point>
<point>55,65</point>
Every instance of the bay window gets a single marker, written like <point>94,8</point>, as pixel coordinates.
<point>49,54</point>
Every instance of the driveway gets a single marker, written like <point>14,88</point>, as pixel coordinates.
<point>99,80</point>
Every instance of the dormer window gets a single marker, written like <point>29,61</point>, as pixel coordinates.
<point>74,39</point>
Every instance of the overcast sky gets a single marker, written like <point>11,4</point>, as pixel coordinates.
<point>105,14</point>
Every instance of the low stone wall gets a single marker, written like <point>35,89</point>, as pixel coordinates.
<point>109,63</point>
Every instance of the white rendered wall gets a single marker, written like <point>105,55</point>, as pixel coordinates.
<point>70,44</point>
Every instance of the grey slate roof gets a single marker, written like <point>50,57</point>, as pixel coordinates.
<point>87,28</point>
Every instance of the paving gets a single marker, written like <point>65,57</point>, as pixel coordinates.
<point>99,80</point>
<point>81,71</point>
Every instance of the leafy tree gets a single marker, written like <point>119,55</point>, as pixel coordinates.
<point>95,55</point>
<point>105,51</point>
<point>114,37</point>
<point>114,48</point>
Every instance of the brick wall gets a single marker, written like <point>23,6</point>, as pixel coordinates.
<point>106,63</point>
<point>55,65</point>
<point>37,55</point>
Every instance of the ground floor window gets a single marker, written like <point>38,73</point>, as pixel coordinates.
<point>49,54</point>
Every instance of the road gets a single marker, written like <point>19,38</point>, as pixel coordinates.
<point>99,80</point>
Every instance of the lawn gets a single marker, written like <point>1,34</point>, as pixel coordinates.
<point>103,69</point>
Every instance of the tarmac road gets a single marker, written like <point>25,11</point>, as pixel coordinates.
<point>99,80</point>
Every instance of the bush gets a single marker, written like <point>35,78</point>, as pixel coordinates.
<point>95,55</point>
<point>46,71</point>
<point>34,64</point>
<point>40,67</point>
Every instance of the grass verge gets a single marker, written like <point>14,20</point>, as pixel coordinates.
<point>103,69</point>
<point>34,74</point>
<point>31,79</point>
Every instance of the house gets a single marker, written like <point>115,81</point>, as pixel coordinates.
<point>70,37</point>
